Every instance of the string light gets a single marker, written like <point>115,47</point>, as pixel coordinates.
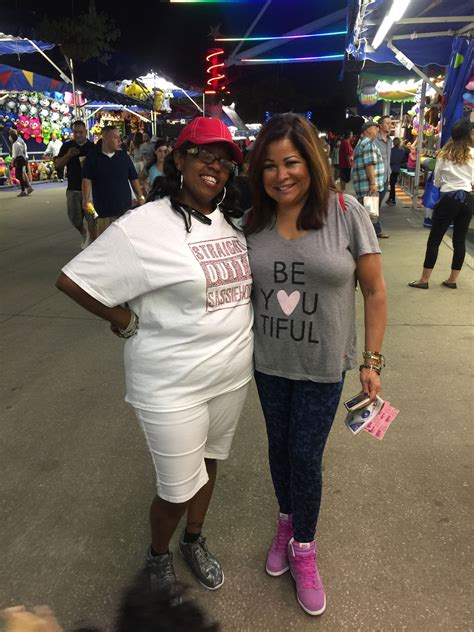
<point>273,60</point>
<point>280,37</point>
<point>216,69</point>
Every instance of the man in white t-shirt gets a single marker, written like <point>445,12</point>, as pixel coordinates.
<point>52,150</point>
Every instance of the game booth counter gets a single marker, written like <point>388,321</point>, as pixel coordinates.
<point>417,36</point>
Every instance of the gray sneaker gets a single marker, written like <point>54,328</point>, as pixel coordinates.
<point>162,577</point>
<point>203,564</point>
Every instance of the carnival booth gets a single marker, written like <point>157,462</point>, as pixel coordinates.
<point>401,98</point>
<point>36,106</point>
<point>163,103</point>
<point>417,36</point>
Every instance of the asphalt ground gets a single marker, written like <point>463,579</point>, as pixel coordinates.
<point>395,532</point>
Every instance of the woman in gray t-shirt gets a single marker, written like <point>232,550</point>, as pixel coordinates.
<point>305,243</point>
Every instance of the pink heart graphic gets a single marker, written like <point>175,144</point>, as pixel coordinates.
<point>288,303</point>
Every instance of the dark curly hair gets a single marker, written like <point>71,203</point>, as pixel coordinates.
<point>169,184</point>
<point>146,608</point>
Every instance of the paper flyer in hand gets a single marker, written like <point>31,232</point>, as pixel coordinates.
<point>374,419</point>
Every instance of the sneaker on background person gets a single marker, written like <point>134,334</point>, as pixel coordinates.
<point>277,556</point>
<point>304,569</point>
<point>204,565</point>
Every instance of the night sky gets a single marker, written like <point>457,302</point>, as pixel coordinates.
<point>174,38</point>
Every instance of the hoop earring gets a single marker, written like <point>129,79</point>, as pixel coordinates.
<point>181,179</point>
<point>223,197</point>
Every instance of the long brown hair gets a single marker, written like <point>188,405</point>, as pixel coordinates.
<point>458,147</point>
<point>305,138</point>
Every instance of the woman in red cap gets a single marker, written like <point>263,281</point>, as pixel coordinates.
<point>173,278</point>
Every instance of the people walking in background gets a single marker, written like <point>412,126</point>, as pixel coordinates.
<point>136,152</point>
<point>72,155</point>
<point>454,175</point>
<point>173,278</point>
<point>384,143</point>
<point>20,162</point>
<point>411,162</point>
<point>154,167</point>
<point>398,159</point>
<point>147,148</point>
<point>368,172</point>
<point>335,157</point>
<point>305,242</point>
<point>106,179</point>
<point>346,158</point>
<point>52,150</point>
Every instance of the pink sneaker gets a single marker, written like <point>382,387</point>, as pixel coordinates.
<point>303,567</point>
<point>277,556</point>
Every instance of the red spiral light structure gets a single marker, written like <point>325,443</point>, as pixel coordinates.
<point>217,79</point>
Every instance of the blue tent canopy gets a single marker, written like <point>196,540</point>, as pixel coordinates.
<point>14,79</point>
<point>425,33</point>
<point>10,45</point>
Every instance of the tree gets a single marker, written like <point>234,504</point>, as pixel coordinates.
<point>81,37</point>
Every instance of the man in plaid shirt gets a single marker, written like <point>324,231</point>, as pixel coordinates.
<point>368,168</point>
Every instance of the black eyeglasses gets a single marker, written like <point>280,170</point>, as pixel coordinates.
<point>208,158</point>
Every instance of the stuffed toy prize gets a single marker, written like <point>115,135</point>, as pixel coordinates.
<point>24,126</point>
<point>35,129</point>
<point>12,104</point>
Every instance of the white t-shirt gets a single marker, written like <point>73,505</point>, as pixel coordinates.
<point>19,149</point>
<point>191,292</point>
<point>53,148</point>
<point>452,177</point>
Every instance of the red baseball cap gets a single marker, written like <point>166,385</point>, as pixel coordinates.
<point>203,130</point>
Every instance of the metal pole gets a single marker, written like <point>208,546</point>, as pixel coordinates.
<point>204,104</point>
<point>419,144</point>
<point>71,66</point>
<point>401,121</point>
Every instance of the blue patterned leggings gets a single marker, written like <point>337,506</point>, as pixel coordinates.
<point>298,416</point>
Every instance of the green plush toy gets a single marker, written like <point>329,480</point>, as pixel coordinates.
<point>46,131</point>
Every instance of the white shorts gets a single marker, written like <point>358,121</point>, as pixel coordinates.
<point>179,441</point>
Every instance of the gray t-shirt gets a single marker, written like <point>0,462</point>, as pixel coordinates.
<point>303,295</point>
<point>385,147</point>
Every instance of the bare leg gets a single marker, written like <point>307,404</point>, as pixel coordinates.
<point>92,232</point>
<point>453,276</point>
<point>199,504</point>
<point>425,276</point>
<point>164,518</point>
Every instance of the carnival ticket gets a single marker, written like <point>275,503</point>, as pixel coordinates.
<point>378,426</point>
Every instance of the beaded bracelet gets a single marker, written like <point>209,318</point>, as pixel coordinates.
<point>132,327</point>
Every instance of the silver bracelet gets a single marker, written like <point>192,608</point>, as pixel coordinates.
<point>132,327</point>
